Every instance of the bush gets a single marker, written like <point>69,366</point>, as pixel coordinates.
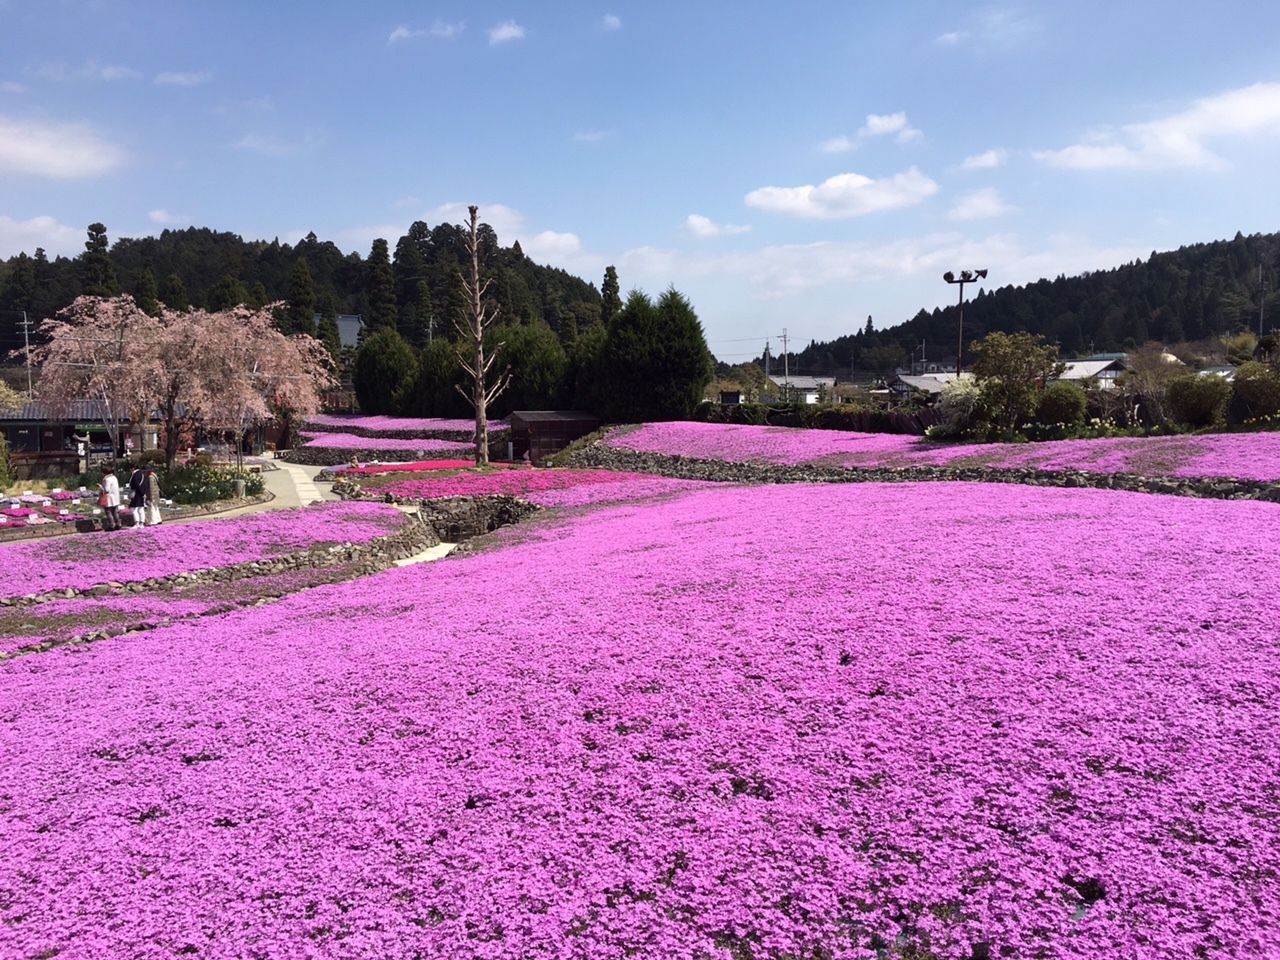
<point>1255,391</point>
<point>197,482</point>
<point>1063,403</point>
<point>963,409</point>
<point>1199,400</point>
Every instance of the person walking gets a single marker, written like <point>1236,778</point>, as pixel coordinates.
<point>109,498</point>
<point>153,496</point>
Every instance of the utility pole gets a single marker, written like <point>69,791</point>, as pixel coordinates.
<point>786,366</point>
<point>966,276</point>
<point>26,340</point>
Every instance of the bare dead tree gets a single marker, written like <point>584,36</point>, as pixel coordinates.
<point>479,317</point>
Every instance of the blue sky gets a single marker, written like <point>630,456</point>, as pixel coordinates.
<point>801,165</point>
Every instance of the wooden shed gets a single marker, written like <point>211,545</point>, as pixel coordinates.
<point>540,433</point>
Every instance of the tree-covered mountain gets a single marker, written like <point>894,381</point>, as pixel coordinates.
<point>1190,294</point>
<point>414,282</point>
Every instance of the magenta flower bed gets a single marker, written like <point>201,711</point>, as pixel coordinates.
<point>783,721</point>
<point>133,555</point>
<point>347,441</point>
<point>399,424</point>
<point>558,488</point>
<point>1246,456</point>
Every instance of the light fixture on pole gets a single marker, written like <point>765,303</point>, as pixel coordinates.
<point>966,276</point>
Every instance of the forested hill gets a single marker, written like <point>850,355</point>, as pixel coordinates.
<point>416,281</point>
<point>1184,295</point>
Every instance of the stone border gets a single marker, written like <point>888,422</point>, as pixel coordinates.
<point>691,468</point>
<point>333,456</point>
<point>454,519</point>
<point>373,556</point>
<point>186,511</point>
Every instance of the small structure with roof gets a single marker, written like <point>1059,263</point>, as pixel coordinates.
<point>540,433</point>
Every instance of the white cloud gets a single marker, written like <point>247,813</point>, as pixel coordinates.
<point>995,30</point>
<point>879,126</point>
<point>446,31</point>
<point>18,236</point>
<point>193,79</point>
<point>405,203</point>
<point>611,22</point>
<point>701,226</point>
<point>507,30</point>
<point>9,86</point>
<point>980,205</point>
<point>273,146</point>
<point>951,38</point>
<point>91,70</point>
<point>838,145</point>
<point>590,136</point>
<point>164,218</point>
<point>58,151</point>
<point>549,245</point>
<point>506,221</point>
<point>845,195</point>
<point>986,161</point>
<point>1179,140</point>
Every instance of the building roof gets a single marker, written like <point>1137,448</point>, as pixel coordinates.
<point>797,382</point>
<point>930,383</point>
<point>77,411</point>
<point>1093,367</point>
<point>545,416</point>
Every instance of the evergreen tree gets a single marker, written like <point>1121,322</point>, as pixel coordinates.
<point>538,366</point>
<point>384,365</point>
<point>654,363</point>
<point>381,288</point>
<point>328,331</point>
<point>610,301</point>
<point>174,294</point>
<point>300,315</point>
<point>99,272</point>
<point>435,387</point>
<point>145,293</point>
<point>229,292</point>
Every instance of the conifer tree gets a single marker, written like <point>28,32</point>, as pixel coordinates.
<point>300,315</point>
<point>610,301</point>
<point>145,293</point>
<point>381,286</point>
<point>99,272</point>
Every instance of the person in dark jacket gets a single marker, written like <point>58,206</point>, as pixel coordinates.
<point>138,495</point>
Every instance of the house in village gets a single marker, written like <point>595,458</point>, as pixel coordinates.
<point>798,389</point>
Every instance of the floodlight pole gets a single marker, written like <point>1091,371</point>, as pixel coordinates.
<point>966,276</point>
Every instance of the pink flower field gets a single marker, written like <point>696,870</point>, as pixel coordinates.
<point>80,562</point>
<point>348,441</point>
<point>935,720</point>
<point>380,424</point>
<point>548,488</point>
<point>1245,456</point>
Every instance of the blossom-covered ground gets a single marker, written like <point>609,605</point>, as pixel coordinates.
<point>133,555</point>
<point>1245,456</point>
<point>548,488</point>
<point>780,721</point>
<point>25,628</point>
<point>349,441</point>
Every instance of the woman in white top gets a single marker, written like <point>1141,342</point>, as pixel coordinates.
<point>110,488</point>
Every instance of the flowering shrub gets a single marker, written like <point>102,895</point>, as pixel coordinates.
<point>1252,456</point>
<point>82,562</point>
<point>972,721</point>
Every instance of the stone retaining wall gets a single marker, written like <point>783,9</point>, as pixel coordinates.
<point>690,468</point>
<point>362,558</point>
<point>454,519</point>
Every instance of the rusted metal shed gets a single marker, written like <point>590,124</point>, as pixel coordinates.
<point>540,433</point>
